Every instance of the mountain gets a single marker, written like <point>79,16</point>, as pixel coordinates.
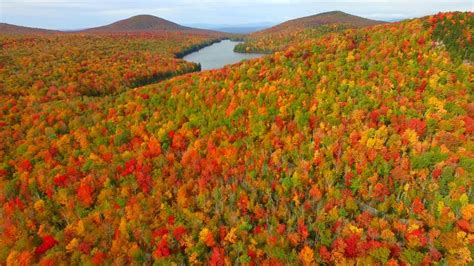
<point>295,31</point>
<point>6,28</point>
<point>145,23</point>
<point>333,17</point>
<point>140,23</point>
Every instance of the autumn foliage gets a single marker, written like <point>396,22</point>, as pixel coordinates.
<point>352,147</point>
<point>57,66</point>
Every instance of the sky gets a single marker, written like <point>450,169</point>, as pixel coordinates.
<point>78,14</point>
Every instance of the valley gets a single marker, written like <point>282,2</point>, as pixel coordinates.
<point>351,141</point>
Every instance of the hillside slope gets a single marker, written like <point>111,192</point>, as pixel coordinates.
<point>327,18</point>
<point>142,23</point>
<point>353,147</point>
<point>6,28</point>
<point>279,37</point>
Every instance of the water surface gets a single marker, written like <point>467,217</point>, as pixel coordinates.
<point>218,55</point>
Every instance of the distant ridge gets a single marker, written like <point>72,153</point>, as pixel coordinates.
<point>142,23</point>
<point>332,17</point>
<point>6,28</point>
<point>149,23</point>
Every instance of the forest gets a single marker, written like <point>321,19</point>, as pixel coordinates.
<point>343,146</point>
<point>63,65</point>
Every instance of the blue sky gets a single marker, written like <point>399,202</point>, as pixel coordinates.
<point>76,14</point>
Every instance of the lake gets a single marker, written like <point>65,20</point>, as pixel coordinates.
<point>218,55</point>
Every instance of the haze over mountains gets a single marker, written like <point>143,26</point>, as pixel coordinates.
<point>241,28</point>
<point>149,23</point>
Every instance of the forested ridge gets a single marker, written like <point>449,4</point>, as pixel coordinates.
<point>354,146</point>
